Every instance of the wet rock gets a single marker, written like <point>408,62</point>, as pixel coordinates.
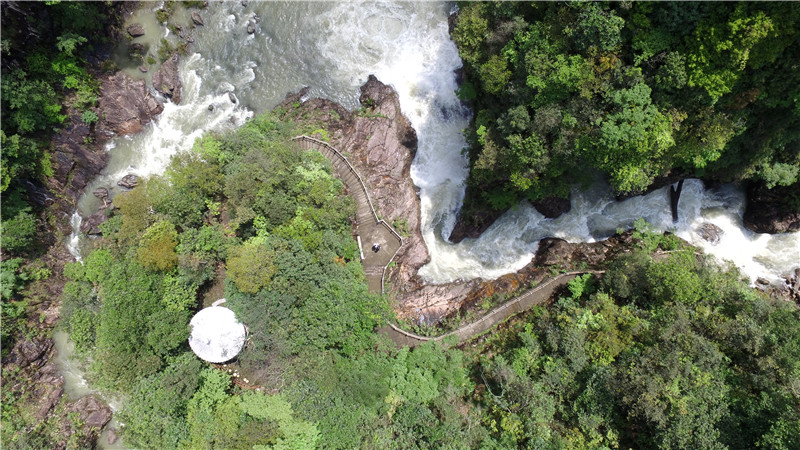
<point>136,50</point>
<point>552,207</point>
<point>197,19</point>
<point>143,68</point>
<point>100,192</point>
<point>125,105</point>
<point>37,194</point>
<point>553,251</point>
<point>710,232</point>
<point>251,27</point>
<point>245,3</point>
<point>91,224</point>
<point>210,107</point>
<point>472,225</point>
<point>92,412</point>
<point>112,436</point>
<point>167,80</point>
<point>129,181</point>
<point>231,97</point>
<point>135,30</point>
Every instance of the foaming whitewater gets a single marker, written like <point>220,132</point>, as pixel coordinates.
<point>332,48</point>
<point>176,128</point>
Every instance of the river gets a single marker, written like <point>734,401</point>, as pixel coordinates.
<point>332,48</point>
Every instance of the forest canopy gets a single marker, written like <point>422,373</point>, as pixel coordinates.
<point>667,351</point>
<point>633,90</point>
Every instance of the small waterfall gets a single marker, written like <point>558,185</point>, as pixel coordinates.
<point>74,240</point>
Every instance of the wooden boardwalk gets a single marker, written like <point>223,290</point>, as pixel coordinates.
<point>371,229</point>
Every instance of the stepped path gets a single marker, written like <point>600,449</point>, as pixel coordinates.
<point>371,230</point>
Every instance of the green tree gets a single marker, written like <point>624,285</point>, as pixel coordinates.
<point>157,247</point>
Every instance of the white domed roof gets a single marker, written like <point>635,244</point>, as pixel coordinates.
<point>216,336</point>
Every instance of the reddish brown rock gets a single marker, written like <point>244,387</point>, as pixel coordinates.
<point>167,80</point>
<point>126,106</point>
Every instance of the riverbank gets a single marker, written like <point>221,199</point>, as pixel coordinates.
<point>34,388</point>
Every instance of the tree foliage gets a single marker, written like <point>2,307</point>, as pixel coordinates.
<point>634,91</point>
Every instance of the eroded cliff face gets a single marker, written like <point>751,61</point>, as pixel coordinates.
<point>380,143</point>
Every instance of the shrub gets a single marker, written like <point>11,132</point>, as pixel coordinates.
<point>17,233</point>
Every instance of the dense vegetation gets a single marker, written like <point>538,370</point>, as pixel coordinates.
<point>633,90</point>
<point>44,48</point>
<point>672,352</point>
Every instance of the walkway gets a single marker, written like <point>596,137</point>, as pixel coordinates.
<point>534,296</point>
<point>369,228</point>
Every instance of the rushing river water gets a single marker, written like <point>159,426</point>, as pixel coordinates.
<point>332,48</point>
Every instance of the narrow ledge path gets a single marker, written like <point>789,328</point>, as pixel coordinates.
<point>371,230</point>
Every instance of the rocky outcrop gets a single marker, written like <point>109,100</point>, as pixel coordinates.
<point>91,224</point>
<point>125,105</point>
<point>553,207</point>
<point>380,143</point>
<point>135,30</point>
<point>167,80</point>
<point>710,232</point>
<point>197,19</point>
<point>129,181</point>
<point>771,210</point>
<point>93,413</point>
<point>74,162</point>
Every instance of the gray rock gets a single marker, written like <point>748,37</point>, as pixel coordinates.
<point>168,81</point>
<point>710,232</point>
<point>197,19</point>
<point>210,107</point>
<point>100,192</point>
<point>112,436</point>
<point>92,412</point>
<point>251,27</point>
<point>129,181</point>
<point>143,68</point>
<point>135,30</point>
<point>232,97</point>
<point>91,224</point>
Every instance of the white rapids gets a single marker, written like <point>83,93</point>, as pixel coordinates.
<point>332,48</point>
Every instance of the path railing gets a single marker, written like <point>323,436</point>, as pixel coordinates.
<point>329,151</point>
<point>497,315</point>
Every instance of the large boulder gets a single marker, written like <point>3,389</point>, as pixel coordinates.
<point>125,105</point>
<point>197,19</point>
<point>167,80</point>
<point>129,181</point>
<point>91,224</point>
<point>710,232</point>
<point>135,30</point>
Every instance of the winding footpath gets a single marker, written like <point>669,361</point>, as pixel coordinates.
<point>370,230</point>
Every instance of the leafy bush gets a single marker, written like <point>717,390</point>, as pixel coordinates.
<point>17,234</point>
